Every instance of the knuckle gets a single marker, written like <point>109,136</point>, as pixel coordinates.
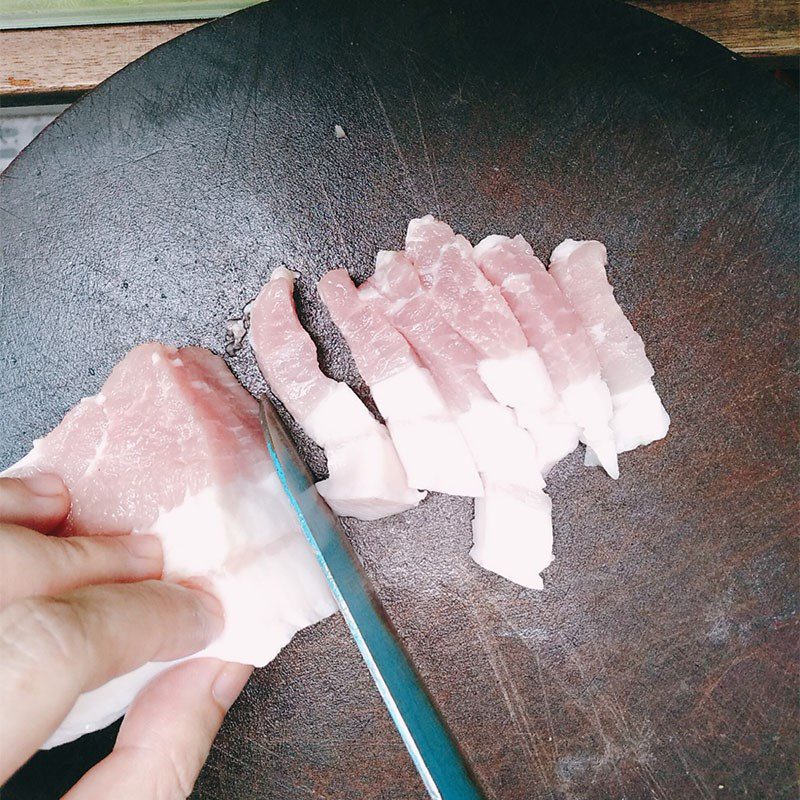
<point>91,555</point>
<point>170,780</point>
<point>45,629</point>
<point>77,550</point>
<point>10,489</point>
<point>177,784</point>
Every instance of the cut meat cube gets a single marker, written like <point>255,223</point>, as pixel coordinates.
<point>521,382</point>
<point>502,449</point>
<point>501,532</point>
<point>639,416</point>
<point>366,478</point>
<point>552,327</point>
<point>504,453</point>
<point>172,446</point>
<point>512,370</point>
<point>430,445</point>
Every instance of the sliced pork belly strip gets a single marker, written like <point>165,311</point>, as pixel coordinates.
<point>639,416</point>
<point>366,478</point>
<point>172,446</point>
<point>504,453</point>
<point>499,445</point>
<point>378,349</point>
<point>474,307</point>
<point>452,360</point>
<point>511,369</point>
<point>286,355</point>
<point>552,327</point>
<point>430,445</point>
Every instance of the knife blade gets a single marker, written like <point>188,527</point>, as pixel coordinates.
<point>430,744</point>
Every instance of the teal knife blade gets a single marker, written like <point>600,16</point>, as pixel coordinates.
<point>431,746</point>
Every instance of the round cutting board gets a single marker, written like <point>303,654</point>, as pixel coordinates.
<point>658,661</point>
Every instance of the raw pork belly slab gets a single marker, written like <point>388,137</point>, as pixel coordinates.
<point>553,328</point>
<point>639,416</point>
<point>512,530</point>
<point>511,369</point>
<point>366,478</point>
<point>172,446</point>
<point>429,443</point>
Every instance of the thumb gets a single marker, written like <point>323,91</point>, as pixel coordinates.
<point>166,734</point>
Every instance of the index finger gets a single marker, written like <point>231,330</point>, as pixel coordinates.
<point>39,501</point>
<point>52,649</point>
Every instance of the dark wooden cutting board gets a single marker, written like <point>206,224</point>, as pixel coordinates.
<point>660,659</point>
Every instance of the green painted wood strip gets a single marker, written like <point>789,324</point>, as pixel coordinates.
<point>57,13</point>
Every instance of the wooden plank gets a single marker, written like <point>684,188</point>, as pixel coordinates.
<point>54,60</point>
<point>755,28</point>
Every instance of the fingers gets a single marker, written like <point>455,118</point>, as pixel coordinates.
<point>40,501</point>
<point>34,564</point>
<point>166,734</point>
<point>53,649</point>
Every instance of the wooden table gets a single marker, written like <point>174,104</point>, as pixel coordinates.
<point>51,61</point>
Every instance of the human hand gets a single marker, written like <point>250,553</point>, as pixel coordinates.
<point>78,611</point>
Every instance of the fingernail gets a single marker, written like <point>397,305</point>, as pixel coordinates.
<point>45,484</point>
<point>210,603</point>
<point>228,684</point>
<point>142,545</point>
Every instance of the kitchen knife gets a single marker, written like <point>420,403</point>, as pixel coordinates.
<point>432,748</point>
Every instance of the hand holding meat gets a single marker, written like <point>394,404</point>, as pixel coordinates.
<point>76,612</point>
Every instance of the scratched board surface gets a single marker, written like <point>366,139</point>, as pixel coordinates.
<point>659,660</point>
